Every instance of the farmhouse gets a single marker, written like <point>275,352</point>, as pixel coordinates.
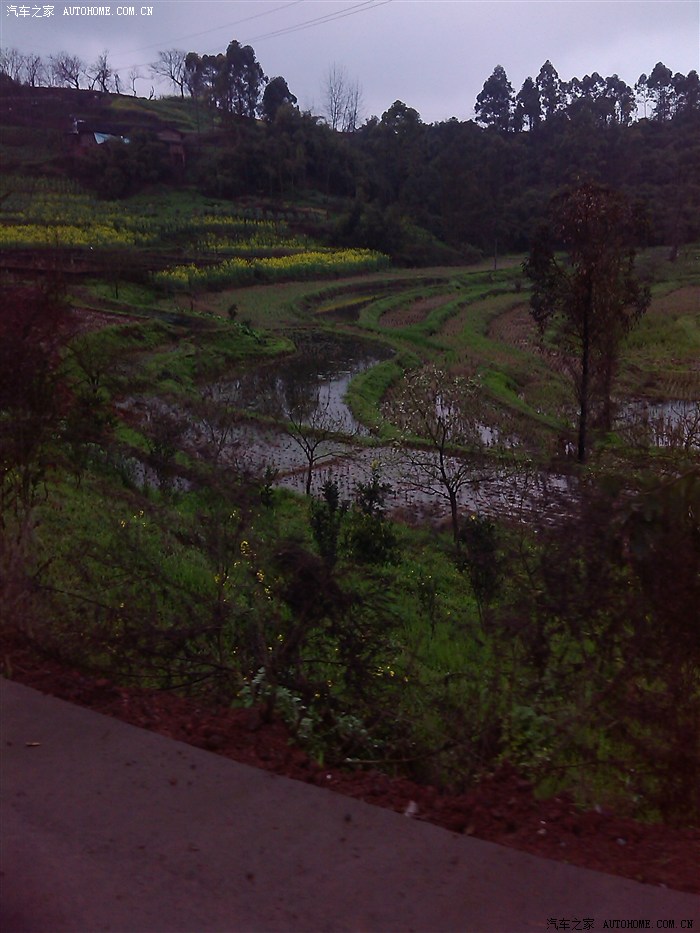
<point>87,134</point>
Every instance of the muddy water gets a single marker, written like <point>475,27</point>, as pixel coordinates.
<point>490,489</point>
<point>661,424</point>
<point>315,380</point>
<point>311,383</point>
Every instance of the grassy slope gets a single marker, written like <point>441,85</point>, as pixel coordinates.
<point>454,674</point>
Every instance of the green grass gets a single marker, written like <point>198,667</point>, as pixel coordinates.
<point>148,573</point>
<point>159,358</point>
<point>661,339</point>
<point>180,114</point>
<point>455,334</point>
<point>366,393</point>
<point>120,298</point>
<point>150,560</point>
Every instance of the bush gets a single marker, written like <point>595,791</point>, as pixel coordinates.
<point>369,536</point>
<point>326,517</point>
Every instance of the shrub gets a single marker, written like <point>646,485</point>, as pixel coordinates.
<point>370,537</point>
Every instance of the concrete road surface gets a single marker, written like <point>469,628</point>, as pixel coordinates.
<point>105,826</point>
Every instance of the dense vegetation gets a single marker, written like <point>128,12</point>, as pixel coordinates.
<point>553,625</point>
<point>423,193</point>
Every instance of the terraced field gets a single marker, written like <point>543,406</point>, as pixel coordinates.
<point>466,632</point>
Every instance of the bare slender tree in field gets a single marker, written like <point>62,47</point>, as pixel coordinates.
<point>12,64</point>
<point>313,426</point>
<point>441,410</point>
<point>34,70</point>
<point>134,76</point>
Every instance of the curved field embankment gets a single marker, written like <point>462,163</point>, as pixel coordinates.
<point>661,358</point>
<point>682,301</point>
<point>415,312</point>
<point>514,327</point>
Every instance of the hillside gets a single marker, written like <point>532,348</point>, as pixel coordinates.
<point>275,387</point>
<point>424,193</point>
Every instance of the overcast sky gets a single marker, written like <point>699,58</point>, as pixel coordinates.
<point>432,54</point>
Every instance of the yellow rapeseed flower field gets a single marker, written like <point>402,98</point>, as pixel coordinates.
<point>56,235</point>
<point>299,265</point>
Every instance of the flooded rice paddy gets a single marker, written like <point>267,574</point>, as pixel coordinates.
<point>311,386</point>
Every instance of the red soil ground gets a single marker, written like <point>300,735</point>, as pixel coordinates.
<point>501,809</point>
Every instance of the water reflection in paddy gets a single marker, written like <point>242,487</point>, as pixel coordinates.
<point>315,378</point>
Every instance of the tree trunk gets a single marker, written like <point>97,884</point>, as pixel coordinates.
<point>454,514</point>
<point>585,375</point>
<point>608,375</point>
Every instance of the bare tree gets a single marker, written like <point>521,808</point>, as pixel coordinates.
<point>334,92</point>
<point>171,65</point>
<point>313,426</point>
<point>34,70</point>
<point>12,64</point>
<point>218,414</point>
<point>441,411</point>
<point>134,76</point>
<point>100,73</point>
<point>66,70</point>
<point>342,100</point>
<point>353,107</point>
<point>50,77</point>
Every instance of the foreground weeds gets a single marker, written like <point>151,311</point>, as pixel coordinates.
<point>561,642</point>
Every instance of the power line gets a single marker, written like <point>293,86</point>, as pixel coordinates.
<point>205,32</point>
<point>363,7</point>
<point>237,22</point>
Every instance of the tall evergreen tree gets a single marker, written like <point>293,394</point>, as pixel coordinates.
<point>495,103</point>
<point>551,90</point>
<point>276,95</point>
<point>660,84</point>
<point>528,107</point>
<point>686,90</point>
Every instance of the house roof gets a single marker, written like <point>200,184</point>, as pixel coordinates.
<point>107,137</point>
